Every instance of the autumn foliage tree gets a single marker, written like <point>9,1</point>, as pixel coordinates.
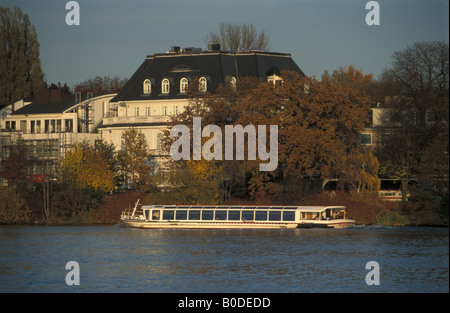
<point>133,158</point>
<point>85,167</point>
<point>318,123</point>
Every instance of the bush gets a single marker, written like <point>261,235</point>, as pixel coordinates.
<point>363,208</point>
<point>12,209</point>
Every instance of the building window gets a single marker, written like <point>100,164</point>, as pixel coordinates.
<point>175,110</point>
<point>136,111</point>
<point>306,88</point>
<point>147,111</point>
<point>165,86</point>
<point>122,142</point>
<point>183,85</point>
<point>159,142</point>
<point>366,139</point>
<point>164,110</point>
<point>68,125</point>
<point>58,126</point>
<point>203,84</point>
<point>275,80</point>
<point>147,87</point>
<point>23,126</point>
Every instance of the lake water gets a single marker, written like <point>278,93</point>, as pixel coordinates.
<point>119,259</point>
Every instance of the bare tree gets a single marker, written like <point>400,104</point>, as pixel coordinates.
<point>239,37</point>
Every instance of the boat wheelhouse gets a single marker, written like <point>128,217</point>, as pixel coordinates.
<point>234,216</point>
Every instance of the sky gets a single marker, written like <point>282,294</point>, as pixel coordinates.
<point>114,36</point>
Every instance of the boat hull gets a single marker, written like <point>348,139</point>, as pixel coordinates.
<point>339,223</point>
<point>206,225</point>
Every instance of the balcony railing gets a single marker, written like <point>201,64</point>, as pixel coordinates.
<point>135,119</point>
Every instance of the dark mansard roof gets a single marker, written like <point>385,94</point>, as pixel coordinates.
<point>215,65</point>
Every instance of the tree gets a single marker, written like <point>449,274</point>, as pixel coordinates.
<point>417,115</point>
<point>318,125</point>
<point>84,167</point>
<point>239,37</point>
<point>101,85</point>
<point>134,156</point>
<point>20,68</point>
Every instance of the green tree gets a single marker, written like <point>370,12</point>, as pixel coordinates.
<point>20,68</point>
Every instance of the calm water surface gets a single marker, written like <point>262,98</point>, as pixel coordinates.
<point>118,259</point>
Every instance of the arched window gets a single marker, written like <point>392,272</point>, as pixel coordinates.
<point>233,82</point>
<point>165,88</point>
<point>147,87</point>
<point>275,80</point>
<point>183,85</point>
<point>203,84</point>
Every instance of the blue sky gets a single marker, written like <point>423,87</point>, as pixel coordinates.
<point>114,36</point>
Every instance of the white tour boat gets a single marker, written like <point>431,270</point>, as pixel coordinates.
<point>235,216</point>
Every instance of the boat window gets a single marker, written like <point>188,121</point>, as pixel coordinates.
<point>221,215</point>
<point>194,215</point>
<point>181,215</point>
<point>234,215</point>
<point>261,216</point>
<point>310,215</point>
<point>275,216</point>
<point>168,214</point>
<point>147,214</point>
<point>288,215</point>
<point>207,215</point>
<point>156,214</point>
<point>247,215</point>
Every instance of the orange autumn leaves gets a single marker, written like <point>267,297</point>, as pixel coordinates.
<point>319,124</point>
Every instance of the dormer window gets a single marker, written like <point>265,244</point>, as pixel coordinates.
<point>147,87</point>
<point>183,85</point>
<point>275,80</point>
<point>203,84</point>
<point>165,87</point>
<point>233,83</point>
<point>306,88</point>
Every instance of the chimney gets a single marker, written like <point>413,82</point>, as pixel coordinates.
<point>214,46</point>
<point>42,96</point>
<point>52,95</point>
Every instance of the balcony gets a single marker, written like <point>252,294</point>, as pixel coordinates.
<point>135,119</point>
